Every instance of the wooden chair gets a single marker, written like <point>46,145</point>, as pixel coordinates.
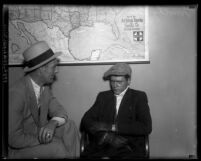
<point>85,141</point>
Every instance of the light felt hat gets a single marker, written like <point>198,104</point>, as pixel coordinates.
<point>38,55</point>
<point>119,69</point>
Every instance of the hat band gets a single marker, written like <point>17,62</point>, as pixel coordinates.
<point>39,59</point>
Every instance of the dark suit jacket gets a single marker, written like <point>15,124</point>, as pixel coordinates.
<point>24,121</point>
<point>133,115</point>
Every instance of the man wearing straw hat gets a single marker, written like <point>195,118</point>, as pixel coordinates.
<point>38,125</point>
<point>115,117</point>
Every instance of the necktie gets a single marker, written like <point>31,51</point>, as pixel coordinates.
<point>39,100</point>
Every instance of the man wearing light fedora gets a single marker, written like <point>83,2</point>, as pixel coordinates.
<point>38,125</point>
<point>116,116</point>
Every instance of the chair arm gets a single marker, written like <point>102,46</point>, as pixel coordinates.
<point>83,141</point>
<point>147,146</point>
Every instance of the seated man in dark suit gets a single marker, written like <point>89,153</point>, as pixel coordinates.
<point>116,116</point>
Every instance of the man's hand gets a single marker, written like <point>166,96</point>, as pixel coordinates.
<point>46,132</point>
<point>113,139</point>
<point>118,141</point>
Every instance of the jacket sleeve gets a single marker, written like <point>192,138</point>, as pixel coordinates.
<point>142,124</point>
<point>17,138</point>
<point>90,118</point>
<point>55,109</point>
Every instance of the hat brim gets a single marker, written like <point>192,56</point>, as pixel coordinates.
<point>27,69</point>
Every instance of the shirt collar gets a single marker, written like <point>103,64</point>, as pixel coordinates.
<point>36,87</point>
<point>122,93</point>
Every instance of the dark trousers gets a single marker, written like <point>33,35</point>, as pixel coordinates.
<point>107,151</point>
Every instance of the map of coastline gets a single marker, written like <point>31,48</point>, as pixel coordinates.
<point>81,33</point>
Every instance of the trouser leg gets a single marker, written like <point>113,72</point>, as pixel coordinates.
<point>71,138</point>
<point>55,149</point>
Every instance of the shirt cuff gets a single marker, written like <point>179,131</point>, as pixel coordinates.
<point>60,120</point>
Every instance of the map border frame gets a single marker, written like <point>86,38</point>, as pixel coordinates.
<point>145,60</point>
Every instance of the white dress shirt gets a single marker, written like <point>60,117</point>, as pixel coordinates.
<point>37,91</point>
<point>119,99</point>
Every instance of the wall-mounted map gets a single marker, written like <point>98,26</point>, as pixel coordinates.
<point>83,34</point>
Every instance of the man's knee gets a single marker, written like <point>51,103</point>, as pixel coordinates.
<point>69,125</point>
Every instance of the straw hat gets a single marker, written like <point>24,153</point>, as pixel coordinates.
<point>119,69</point>
<point>38,55</point>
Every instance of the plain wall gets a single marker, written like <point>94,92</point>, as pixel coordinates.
<point>169,81</point>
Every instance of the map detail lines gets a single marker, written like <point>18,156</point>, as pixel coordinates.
<point>83,34</point>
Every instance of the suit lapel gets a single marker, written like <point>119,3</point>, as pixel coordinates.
<point>44,107</point>
<point>111,107</point>
<point>32,100</point>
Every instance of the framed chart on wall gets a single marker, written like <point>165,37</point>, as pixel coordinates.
<point>82,34</point>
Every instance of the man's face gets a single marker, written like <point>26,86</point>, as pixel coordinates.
<point>49,72</point>
<point>119,84</point>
